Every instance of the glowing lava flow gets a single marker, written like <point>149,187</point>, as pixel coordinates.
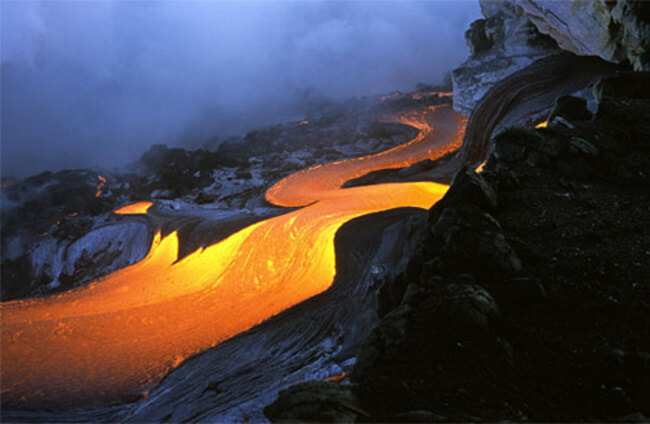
<point>119,335</point>
<point>134,208</point>
<point>307,186</point>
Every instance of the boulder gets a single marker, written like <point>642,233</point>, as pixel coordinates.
<point>468,187</point>
<point>570,108</point>
<point>317,402</point>
<point>468,236</point>
<point>523,149</point>
<point>470,307</point>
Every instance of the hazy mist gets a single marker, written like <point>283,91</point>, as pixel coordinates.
<point>97,82</point>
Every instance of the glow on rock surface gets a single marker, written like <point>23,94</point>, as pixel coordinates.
<point>134,208</point>
<point>120,334</point>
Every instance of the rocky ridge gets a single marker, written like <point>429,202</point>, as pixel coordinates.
<point>502,43</point>
<point>527,298</point>
<point>617,31</point>
<point>514,34</point>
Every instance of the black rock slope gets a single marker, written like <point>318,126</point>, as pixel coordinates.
<point>528,298</point>
<point>526,97</point>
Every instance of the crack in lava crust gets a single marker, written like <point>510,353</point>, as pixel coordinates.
<point>119,335</point>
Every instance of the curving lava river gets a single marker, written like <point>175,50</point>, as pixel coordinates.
<point>120,334</point>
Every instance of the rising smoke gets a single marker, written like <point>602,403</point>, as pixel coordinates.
<point>97,82</point>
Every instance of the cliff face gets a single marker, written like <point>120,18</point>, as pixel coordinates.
<point>516,33</point>
<point>501,44</point>
<point>617,31</point>
<point>527,298</point>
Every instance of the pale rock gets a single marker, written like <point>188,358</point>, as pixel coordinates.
<point>514,43</point>
<point>614,30</point>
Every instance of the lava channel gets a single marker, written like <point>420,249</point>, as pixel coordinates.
<point>117,336</point>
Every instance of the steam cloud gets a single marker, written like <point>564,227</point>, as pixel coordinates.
<point>96,83</point>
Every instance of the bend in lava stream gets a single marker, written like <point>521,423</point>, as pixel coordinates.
<point>119,335</point>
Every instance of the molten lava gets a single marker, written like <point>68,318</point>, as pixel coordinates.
<point>424,94</point>
<point>337,378</point>
<point>100,185</point>
<point>307,186</point>
<point>134,208</point>
<point>119,335</point>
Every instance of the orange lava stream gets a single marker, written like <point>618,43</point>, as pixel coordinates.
<point>119,335</point>
<point>306,186</point>
<point>100,185</point>
<point>480,167</point>
<point>134,208</point>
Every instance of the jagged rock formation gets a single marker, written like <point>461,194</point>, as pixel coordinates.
<point>516,33</point>
<point>617,31</point>
<point>501,44</point>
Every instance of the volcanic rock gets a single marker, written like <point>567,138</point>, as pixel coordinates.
<point>616,31</point>
<point>628,85</point>
<point>570,108</point>
<point>515,34</point>
<point>526,97</point>
<point>476,37</point>
<point>419,416</point>
<point>501,44</point>
<point>438,330</point>
<point>469,187</point>
<point>469,236</point>
<point>316,402</point>
<point>563,339</point>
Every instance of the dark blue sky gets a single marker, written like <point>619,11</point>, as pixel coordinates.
<point>98,82</point>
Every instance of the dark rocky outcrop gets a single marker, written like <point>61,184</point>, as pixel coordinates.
<point>624,85</point>
<point>527,96</point>
<point>570,108</point>
<point>320,401</point>
<point>527,299</point>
